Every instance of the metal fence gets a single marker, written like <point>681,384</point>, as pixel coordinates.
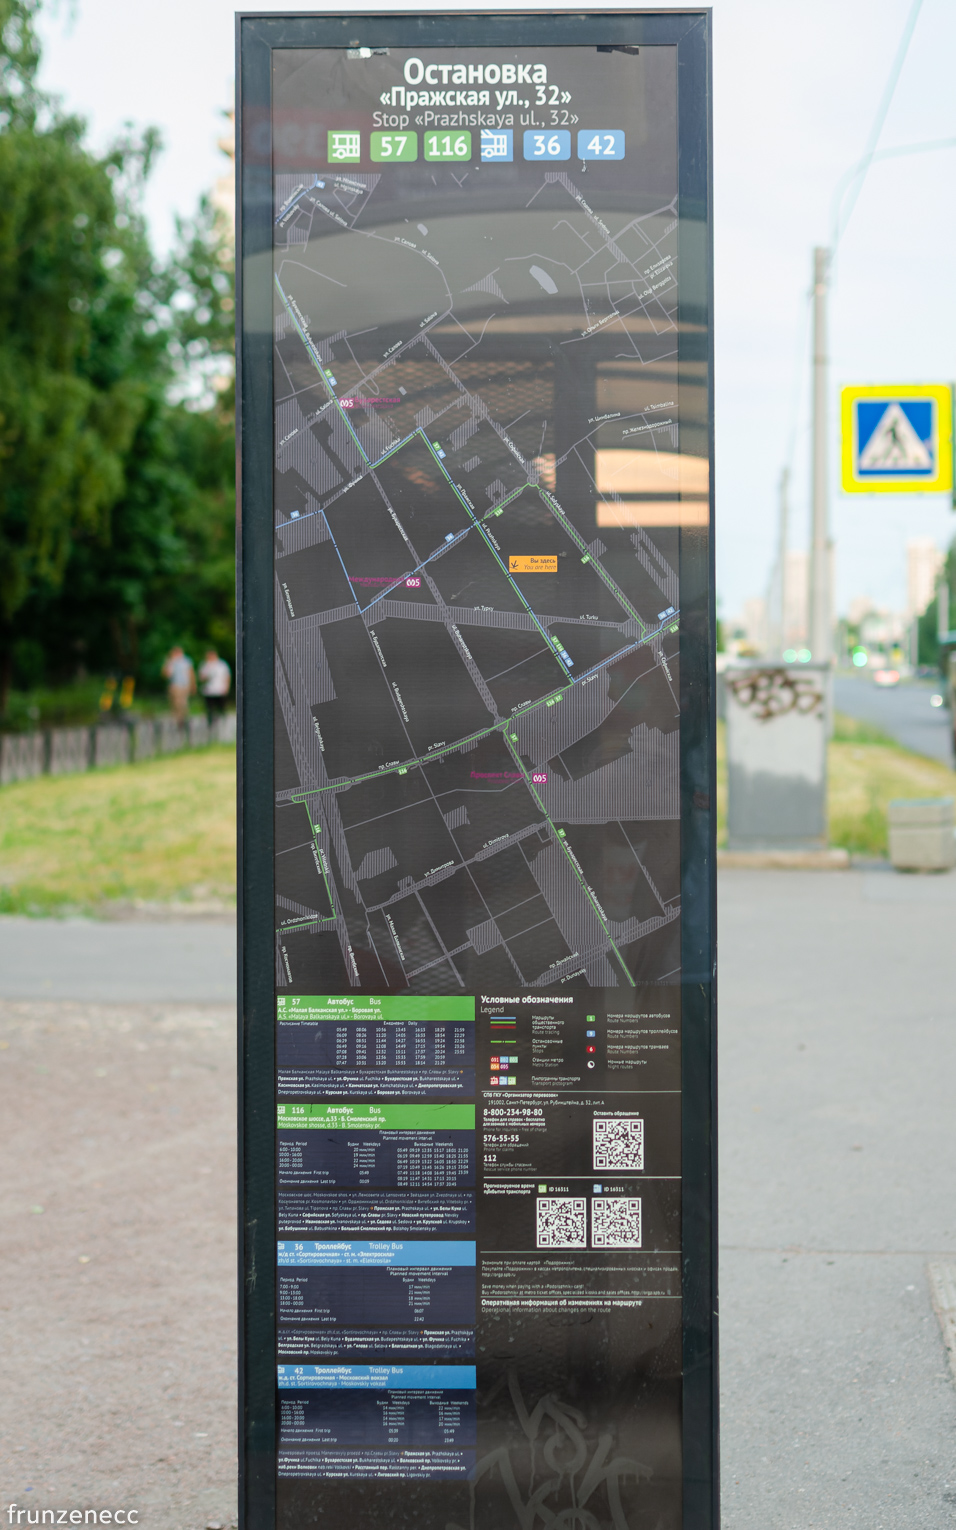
<point>66,751</point>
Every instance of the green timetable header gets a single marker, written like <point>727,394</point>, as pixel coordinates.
<point>373,1007</point>
<point>365,1118</point>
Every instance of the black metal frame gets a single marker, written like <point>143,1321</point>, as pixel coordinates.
<point>256,35</point>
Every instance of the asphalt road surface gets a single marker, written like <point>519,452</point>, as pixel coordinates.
<point>903,711</point>
<point>129,960</point>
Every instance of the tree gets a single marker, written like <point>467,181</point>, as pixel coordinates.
<point>928,645</point>
<point>74,350</point>
<point>116,434</point>
<point>161,567</point>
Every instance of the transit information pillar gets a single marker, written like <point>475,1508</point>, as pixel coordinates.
<point>477,776</point>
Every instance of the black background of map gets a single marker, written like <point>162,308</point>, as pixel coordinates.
<point>630,1389</point>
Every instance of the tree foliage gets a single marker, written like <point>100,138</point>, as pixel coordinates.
<point>116,437</point>
<point>930,649</point>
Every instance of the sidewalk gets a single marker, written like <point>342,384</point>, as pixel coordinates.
<point>838,1046</point>
<point>117,1219</point>
<point>838,1055</point>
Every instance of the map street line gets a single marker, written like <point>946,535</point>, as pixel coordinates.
<point>602,918</point>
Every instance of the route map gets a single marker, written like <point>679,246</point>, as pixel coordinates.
<point>485,461</point>
<point>477,500</point>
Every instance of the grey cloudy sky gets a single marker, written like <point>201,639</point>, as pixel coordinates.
<point>796,90</point>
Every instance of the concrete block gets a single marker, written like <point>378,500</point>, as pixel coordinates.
<point>21,757</point>
<point>223,730</point>
<point>144,739</point>
<point>783,860</point>
<point>198,732</point>
<point>921,833</point>
<point>111,746</point>
<point>171,736</point>
<point>777,757</point>
<point>70,750</point>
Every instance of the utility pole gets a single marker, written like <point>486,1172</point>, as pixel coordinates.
<point>819,613</point>
<point>780,593</point>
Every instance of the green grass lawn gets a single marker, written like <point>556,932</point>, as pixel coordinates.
<point>866,770</point>
<point>161,832</point>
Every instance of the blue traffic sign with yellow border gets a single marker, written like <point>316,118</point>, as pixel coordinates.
<point>897,440</point>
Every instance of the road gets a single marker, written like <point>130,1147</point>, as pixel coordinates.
<point>903,711</point>
<point>190,961</point>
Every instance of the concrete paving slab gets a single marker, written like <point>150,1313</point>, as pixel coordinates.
<point>118,1261</point>
<point>932,888</point>
<point>838,1404</point>
<point>838,1046</point>
<point>105,961</point>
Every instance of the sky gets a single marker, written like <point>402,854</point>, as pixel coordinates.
<point>796,91</point>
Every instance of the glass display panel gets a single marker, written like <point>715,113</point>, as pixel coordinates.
<point>491,453</point>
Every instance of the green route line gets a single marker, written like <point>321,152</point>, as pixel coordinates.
<point>321,918</point>
<point>477,523</point>
<point>310,348</point>
<point>495,554</point>
<point>526,777</point>
<point>402,767</point>
<point>571,862</point>
<point>420,567</point>
<point>304,923</point>
<point>419,430</point>
<point>596,563</point>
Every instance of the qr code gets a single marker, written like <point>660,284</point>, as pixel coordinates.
<point>618,1142</point>
<point>562,1222</point>
<point>615,1222</point>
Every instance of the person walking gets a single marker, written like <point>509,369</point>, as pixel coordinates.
<point>215,682</point>
<point>181,677</point>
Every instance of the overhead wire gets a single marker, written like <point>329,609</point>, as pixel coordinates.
<point>869,153</point>
<point>851,182</point>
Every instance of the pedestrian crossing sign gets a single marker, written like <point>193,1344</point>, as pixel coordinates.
<point>897,440</point>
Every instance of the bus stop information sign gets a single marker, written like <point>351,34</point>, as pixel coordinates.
<point>477,772</point>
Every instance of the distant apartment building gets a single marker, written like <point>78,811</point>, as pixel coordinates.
<point>796,598</point>
<point>923,564</point>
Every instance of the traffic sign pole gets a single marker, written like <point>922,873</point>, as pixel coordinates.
<point>819,547</point>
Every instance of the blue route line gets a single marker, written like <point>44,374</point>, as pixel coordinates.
<point>418,569</point>
<point>494,553</point>
<point>336,546</point>
<point>476,523</point>
<point>297,198</point>
<point>502,727</point>
<point>612,658</point>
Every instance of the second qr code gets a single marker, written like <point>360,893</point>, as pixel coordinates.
<point>615,1222</point>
